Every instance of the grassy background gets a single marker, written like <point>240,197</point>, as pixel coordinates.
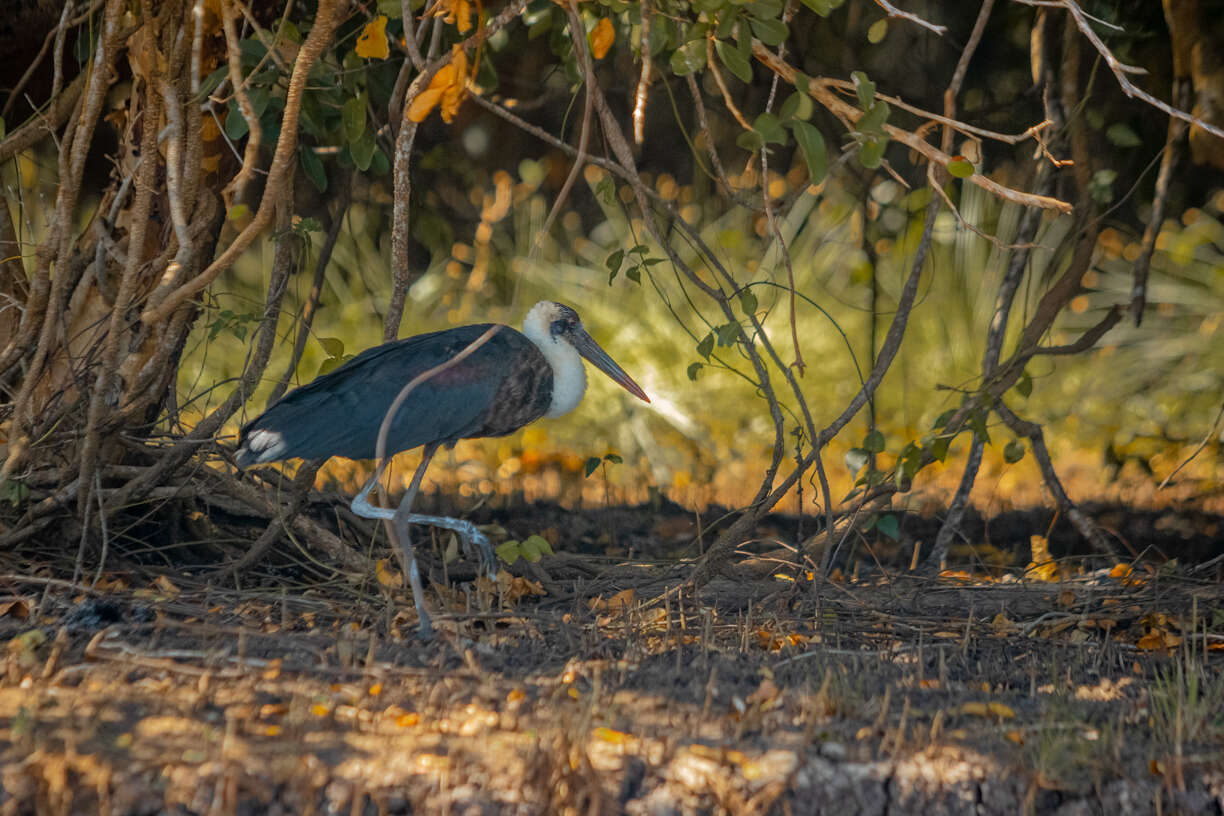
<point>1150,393</point>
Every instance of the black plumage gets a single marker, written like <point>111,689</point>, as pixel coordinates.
<point>502,386</point>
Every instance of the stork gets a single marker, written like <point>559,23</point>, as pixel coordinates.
<point>509,381</point>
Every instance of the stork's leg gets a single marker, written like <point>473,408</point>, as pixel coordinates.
<point>476,542</point>
<point>362,507</point>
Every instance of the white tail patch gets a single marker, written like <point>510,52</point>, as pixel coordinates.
<point>261,446</point>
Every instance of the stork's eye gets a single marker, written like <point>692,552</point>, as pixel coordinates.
<point>561,326</point>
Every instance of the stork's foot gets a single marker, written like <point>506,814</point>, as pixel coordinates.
<point>475,543</point>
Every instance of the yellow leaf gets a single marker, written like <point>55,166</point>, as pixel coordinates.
<point>458,12</point>
<point>319,710</point>
<point>387,576</point>
<point>1002,623</point>
<point>1001,711</point>
<point>1040,546</point>
<point>1120,571</point>
<point>1015,736</point>
<point>372,42</point>
<point>617,603</point>
<point>448,88</point>
<point>166,585</point>
<point>612,736</point>
<point>1042,567</point>
<point>974,709</point>
<point>602,37</point>
<point>456,90</point>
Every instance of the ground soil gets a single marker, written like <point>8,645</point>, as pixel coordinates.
<point>596,681</point>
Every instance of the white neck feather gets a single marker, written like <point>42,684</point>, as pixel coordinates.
<point>569,374</point>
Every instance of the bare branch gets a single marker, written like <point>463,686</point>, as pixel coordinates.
<point>893,11</point>
<point>1120,72</point>
<point>163,302</point>
<point>820,90</point>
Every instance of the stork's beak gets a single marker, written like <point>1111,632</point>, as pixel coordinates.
<point>589,349</point>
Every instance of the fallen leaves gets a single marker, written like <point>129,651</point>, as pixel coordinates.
<point>993,710</point>
<point>1042,567</point>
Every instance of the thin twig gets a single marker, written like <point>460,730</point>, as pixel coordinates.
<point>578,37</point>
<point>1201,445</point>
<point>893,11</point>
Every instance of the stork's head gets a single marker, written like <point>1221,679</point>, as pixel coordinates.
<point>550,324</point>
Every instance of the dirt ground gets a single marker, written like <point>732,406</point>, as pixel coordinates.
<point>596,681</point>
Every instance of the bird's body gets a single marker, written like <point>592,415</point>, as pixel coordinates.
<point>466,385</point>
<point>502,386</point>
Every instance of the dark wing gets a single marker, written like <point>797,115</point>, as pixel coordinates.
<point>339,414</point>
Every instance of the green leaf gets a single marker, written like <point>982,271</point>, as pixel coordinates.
<point>592,464</point>
<point>210,83</point>
<point>14,491</point>
<point>605,190</point>
<point>333,346</point>
<point>873,442</point>
<point>1013,452</point>
<point>765,9</point>
<point>634,273</point>
<point>313,168</point>
<point>1123,135</point>
<point>812,146</point>
<point>614,458</point>
<point>660,34</point>
<point>728,333</point>
<point>693,370</point>
<point>508,551</point>
<point>771,32</point>
<point>977,421</point>
<point>353,117</point>
<point>943,418</point>
<point>362,151</point>
<point>237,212</point>
<point>706,346</point>
<point>960,167</point>
<point>877,31</point>
<point>727,22</point>
<point>748,302</point>
<point>750,140</point>
<point>235,123</point>
<point>258,97</point>
<point>770,128</point>
<point>889,526</point>
<point>541,544</point>
<point>535,547</point>
<point>735,62</point>
<point>797,106</point>
<point>873,120</point>
<point>330,364</point>
<point>614,262</point>
<point>857,459</point>
<point>864,88</point>
<point>872,153</point>
<point>1024,386</point>
<point>939,449</point>
<point>689,58</point>
<point>822,7</point>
